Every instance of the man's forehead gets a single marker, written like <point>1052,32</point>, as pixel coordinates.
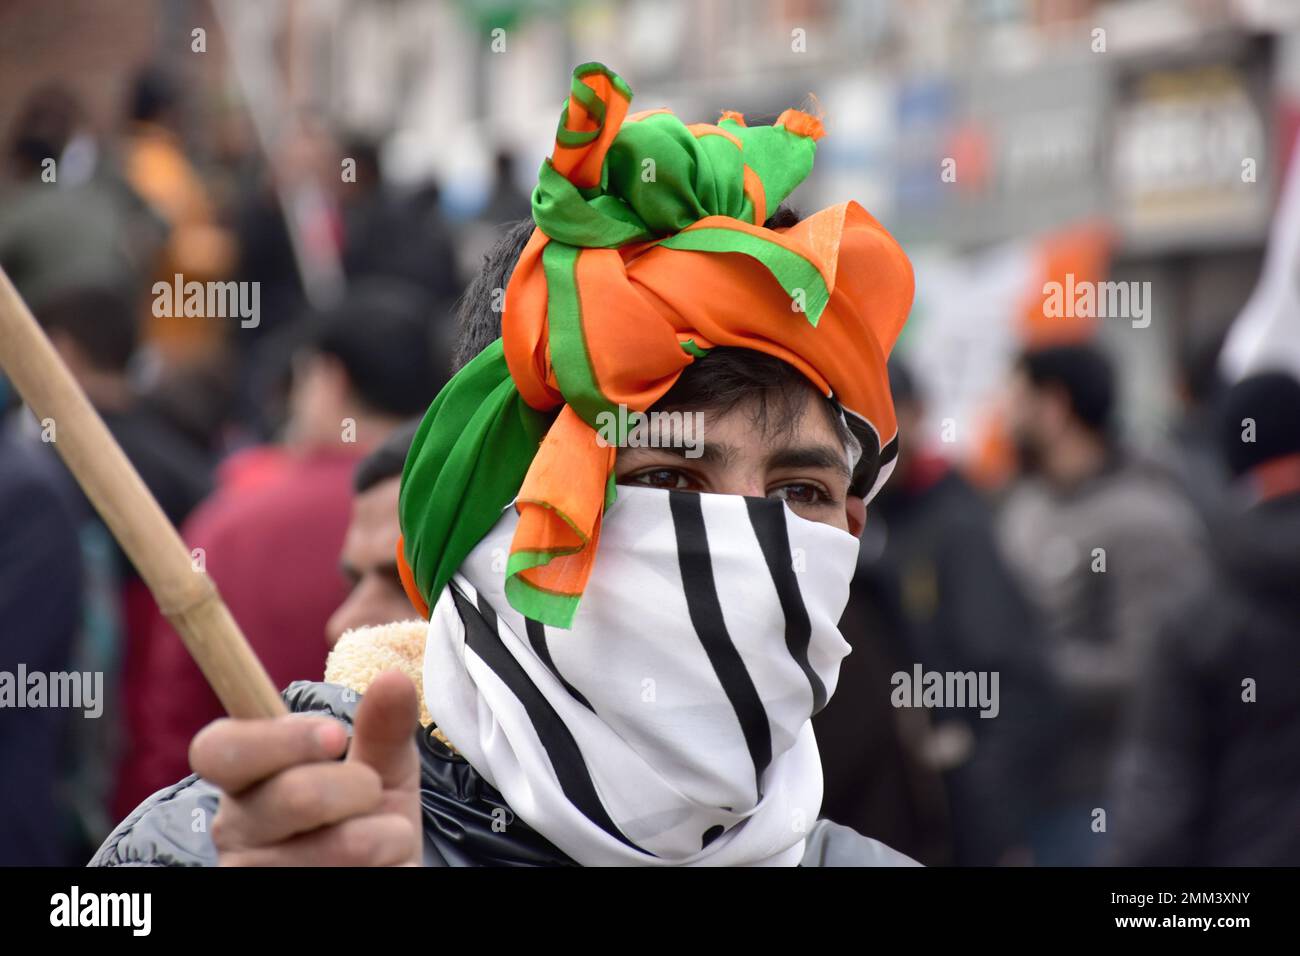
<point>379,499</point>
<point>771,412</point>
<point>787,421</point>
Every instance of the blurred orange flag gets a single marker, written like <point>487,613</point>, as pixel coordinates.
<point>1069,261</point>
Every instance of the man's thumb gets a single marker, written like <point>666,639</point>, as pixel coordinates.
<point>384,730</point>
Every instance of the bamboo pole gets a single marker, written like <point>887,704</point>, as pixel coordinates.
<point>186,595</point>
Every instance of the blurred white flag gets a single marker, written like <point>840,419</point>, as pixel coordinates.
<point>1267,333</point>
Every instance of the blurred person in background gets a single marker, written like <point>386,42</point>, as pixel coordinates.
<point>291,240</point>
<point>1106,548</point>
<point>387,232</point>
<point>266,256</point>
<point>40,604</point>
<point>1192,454</point>
<point>271,533</point>
<point>198,248</point>
<point>369,556</point>
<point>96,332</point>
<point>67,218</point>
<point>1208,775</point>
<point>188,362</point>
<point>507,203</point>
<point>932,589</point>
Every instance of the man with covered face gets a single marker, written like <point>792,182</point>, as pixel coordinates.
<point>626,640</point>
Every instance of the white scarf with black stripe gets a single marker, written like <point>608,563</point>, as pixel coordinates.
<point>672,724</point>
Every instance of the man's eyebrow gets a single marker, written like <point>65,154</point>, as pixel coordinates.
<point>350,574</point>
<point>811,456</point>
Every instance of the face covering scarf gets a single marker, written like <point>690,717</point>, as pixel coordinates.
<point>670,725</point>
<point>649,251</point>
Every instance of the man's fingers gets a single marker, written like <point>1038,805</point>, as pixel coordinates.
<point>287,800</point>
<point>375,840</point>
<point>236,754</point>
<point>383,735</point>
<point>296,801</point>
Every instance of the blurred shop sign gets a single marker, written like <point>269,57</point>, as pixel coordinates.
<point>996,155</point>
<point>854,160</point>
<point>1190,161</point>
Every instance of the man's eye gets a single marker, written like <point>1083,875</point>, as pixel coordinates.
<point>662,478</point>
<point>801,494</point>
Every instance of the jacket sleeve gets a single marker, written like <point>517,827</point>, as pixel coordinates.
<point>830,844</point>
<point>171,828</point>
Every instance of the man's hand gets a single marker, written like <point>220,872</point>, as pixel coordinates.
<point>288,801</point>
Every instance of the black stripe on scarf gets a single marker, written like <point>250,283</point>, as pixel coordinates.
<point>482,637</point>
<point>706,617</point>
<point>537,637</point>
<point>768,519</point>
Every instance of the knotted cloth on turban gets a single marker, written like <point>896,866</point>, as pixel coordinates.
<point>649,251</point>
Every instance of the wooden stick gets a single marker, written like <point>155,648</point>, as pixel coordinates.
<point>185,595</point>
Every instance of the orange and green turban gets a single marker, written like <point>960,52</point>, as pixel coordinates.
<point>649,251</point>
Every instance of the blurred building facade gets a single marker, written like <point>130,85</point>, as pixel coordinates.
<point>1165,122</point>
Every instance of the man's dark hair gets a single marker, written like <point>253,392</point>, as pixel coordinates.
<point>1084,373</point>
<point>101,321</point>
<point>478,311</point>
<point>382,338</point>
<point>719,381</point>
<point>387,460</point>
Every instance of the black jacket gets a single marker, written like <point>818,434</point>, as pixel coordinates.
<point>1207,777</point>
<point>171,828</point>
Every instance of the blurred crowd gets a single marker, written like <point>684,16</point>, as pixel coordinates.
<point>1133,605</point>
<point>1141,612</point>
<point>248,432</point>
